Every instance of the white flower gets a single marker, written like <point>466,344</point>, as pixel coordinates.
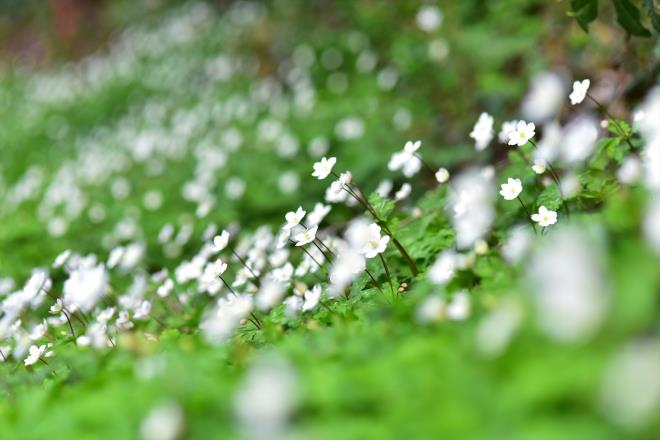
<point>220,241</point>
<point>292,305</point>
<point>318,214</point>
<point>631,170</point>
<point>406,159</point>
<point>35,353</point>
<point>482,132</point>
<point>270,294</point>
<point>544,98</point>
<point>511,189</point>
<point>545,217</point>
<point>214,270</point>
<point>294,218</point>
<point>62,258</point>
<point>85,286</point>
<point>374,244</point>
<point>442,175</point>
<point>165,289</point>
<point>539,166</point>
<point>522,134</point>
<point>404,192</point>
<point>38,331</point>
<point>579,91</point>
<point>458,308</point>
<point>429,18</point>
<point>508,127</point>
<point>57,307</point>
<point>312,298</point>
<point>444,268</point>
<point>324,167</point>
<point>411,147</point>
<point>306,237</point>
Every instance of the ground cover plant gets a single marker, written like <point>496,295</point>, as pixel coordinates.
<point>336,220</point>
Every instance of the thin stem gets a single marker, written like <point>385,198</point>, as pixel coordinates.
<point>431,169</point>
<point>616,123</point>
<point>48,365</point>
<point>529,216</point>
<point>254,320</point>
<point>228,286</point>
<point>69,321</point>
<point>4,358</point>
<point>555,177</point>
<point>320,250</point>
<point>256,278</point>
<point>326,247</point>
<point>383,224</point>
<point>387,272</point>
<point>311,256</point>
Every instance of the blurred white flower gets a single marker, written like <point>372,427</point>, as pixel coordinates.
<point>266,398</point>
<point>651,224</point>
<point>568,285</point>
<point>443,269</point>
<point>630,393</point>
<point>164,422</point>
<point>578,139</point>
<point>442,175</point>
<point>482,132</point>
<point>539,166</point>
<point>544,98</point>
<point>429,18</point>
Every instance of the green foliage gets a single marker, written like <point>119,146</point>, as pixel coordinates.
<point>629,17</point>
<point>585,12</point>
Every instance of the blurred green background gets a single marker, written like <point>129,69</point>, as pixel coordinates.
<point>109,111</point>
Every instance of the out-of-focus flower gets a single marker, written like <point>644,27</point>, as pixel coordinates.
<point>578,139</point>
<point>429,18</point>
<point>630,393</point>
<point>442,175</point>
<point>568,285</point>
<point>544,98</point>
<point>539,166</point>
<point>482,132</point>
<point>266,399</point>
<point>164,422</point>
<point>470,205</point>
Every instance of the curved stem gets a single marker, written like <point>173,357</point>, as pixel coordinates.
<point>387,272</point>
<point>529,216</point>
<point>616,123</point>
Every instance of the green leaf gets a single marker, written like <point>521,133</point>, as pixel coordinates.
<point>628,16</point>
<point>653,10</point>
<point>382,206</point>
<point>585,12</point>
